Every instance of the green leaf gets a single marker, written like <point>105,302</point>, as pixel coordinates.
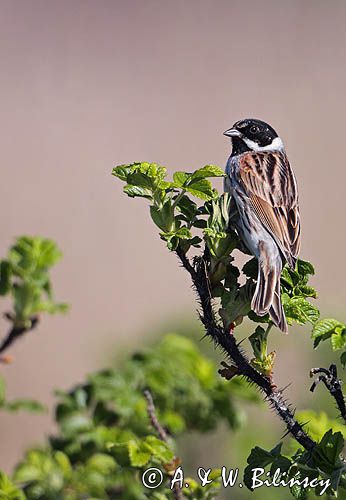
<point>338,340</point>
<point>27,472</point>
<point>140,180</point>
<point>139,453</point>
<point>262,458</point>
<point>9,491</point>
<point>180,178</point>
<point>136,191</point>
<point>324,329</point>
<point>74,423</point>
<point>122,171</point>
<point>208,171</point>
<point>187,207</point>
<point>173,237</point>
<point>101,462</point>
<point>146,170</point>
<point>163,217</point>
<point>307,291</point>
<point>305,268</point>
<point>159,449</point>
<point>300,310</point>
<point>202,189</point>
<point>326,454</point>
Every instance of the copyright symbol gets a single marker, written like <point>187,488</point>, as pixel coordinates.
<point>152,478</point>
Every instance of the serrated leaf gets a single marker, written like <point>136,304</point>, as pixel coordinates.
<point>305,268</point>
<point>139,454</point>
<point>180,178</point>
<point>122,171</point>
<point>307,291</point>
<point>338,340</point>
<point>325,328</point>
<point>326,454</point>
<point>159,449</point>
<point>136,191</point>
<point>202,189</point>
<point>140,180</point>
<point>260,458</point>
<point>300,310</point>
<point>208,171</point>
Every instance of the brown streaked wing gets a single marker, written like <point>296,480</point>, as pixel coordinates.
<point>270,184</point>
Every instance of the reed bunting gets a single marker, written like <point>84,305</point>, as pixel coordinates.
<point>264,191</point>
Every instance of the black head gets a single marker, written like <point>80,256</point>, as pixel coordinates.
<point>252,135</point>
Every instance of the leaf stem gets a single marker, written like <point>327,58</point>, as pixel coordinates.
<point>178,198</point>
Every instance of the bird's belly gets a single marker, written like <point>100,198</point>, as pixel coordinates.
<point>251,230</point>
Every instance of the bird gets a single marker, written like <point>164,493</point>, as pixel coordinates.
<point>264,195</point>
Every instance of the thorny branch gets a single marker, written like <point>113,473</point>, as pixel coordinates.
<point>177,493</point>
<point>17,331</point>
<point>199,276</point>
<point>333,384</point>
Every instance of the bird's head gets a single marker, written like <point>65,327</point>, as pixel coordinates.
<point>253,135</point>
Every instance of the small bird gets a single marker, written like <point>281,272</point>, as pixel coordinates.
<point>265,197</point>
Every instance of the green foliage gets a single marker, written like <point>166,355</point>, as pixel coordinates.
<point>24,275</point>
<point>322,463</point>
<point>105,439</point>
<point>185,224</point>
<point>262,458</point>
<point>8,491</point>
<point>333,329</point>
<point>173,212</point>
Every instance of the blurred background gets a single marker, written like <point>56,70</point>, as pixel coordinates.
<point>86,85</point>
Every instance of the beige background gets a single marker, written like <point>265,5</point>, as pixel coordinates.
<point>89,84</point>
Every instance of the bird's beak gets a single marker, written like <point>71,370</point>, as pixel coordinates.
<point>232,132</point>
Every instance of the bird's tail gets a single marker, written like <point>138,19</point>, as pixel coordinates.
<point>266,298</point>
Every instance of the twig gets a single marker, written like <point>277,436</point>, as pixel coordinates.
<point>17,331</point>
<point>177,493</point>
<point>153,417</point>
<point>199,276</point>
<point>333,384</point>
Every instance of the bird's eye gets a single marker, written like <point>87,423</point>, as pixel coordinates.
<point>253,129</point>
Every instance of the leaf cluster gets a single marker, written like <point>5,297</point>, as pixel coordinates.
<point>105,439</point>
<point>25,277</point>
<point>322,463</point>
